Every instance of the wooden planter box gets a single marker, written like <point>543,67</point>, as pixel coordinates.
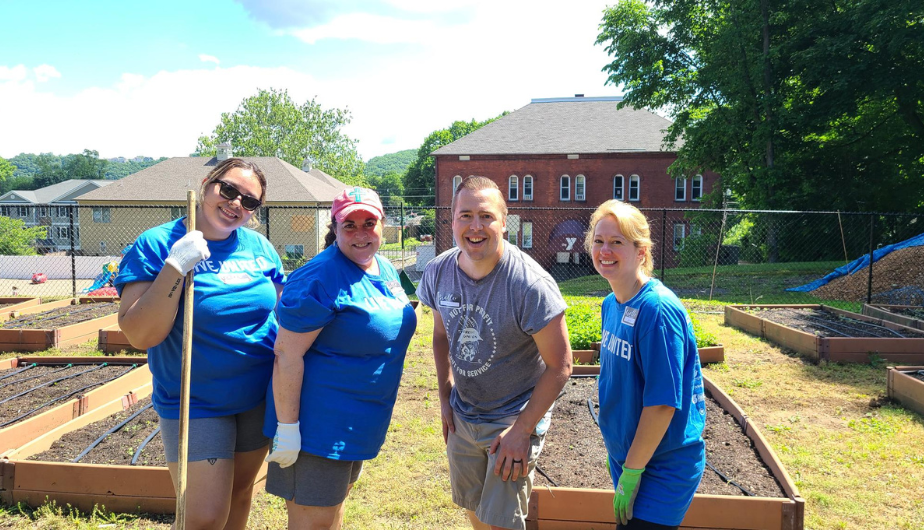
<point>707,354</point>
<point>19,303</point>
<point>882,312</point>
<point>43,339</point>
<point>835,349</point>
<point>907,390</point>
<point>113,340</point>
<point>578,508</point>
<point>20,433</point>
<point>118,488</point>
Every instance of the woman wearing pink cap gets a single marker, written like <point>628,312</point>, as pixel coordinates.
<point>345,325</point>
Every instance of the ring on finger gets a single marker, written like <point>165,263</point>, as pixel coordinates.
<point>517,461</point>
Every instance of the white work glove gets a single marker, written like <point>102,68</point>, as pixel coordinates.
<point>286,444</point>
<point>189,250</point>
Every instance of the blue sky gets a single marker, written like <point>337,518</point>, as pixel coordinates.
<point>148,78</point>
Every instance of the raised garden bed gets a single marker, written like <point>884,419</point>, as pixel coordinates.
<point>906,385</point>
<point>586,361</point>
<point>10,305</point>
<point>58,324</point>
<point>43,469</point>
<point>36,406</point>
<point>113,340</point>
<point>824,333</point>
<point>584,496</point>
<point>906,315</point>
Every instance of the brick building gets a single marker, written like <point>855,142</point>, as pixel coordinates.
<point>557,159</point>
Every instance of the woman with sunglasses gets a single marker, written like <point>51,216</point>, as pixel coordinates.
<point>652,409</point>
<point>344,328</point>
<point>238,278</point>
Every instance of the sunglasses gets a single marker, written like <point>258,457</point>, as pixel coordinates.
<point>229,192</point>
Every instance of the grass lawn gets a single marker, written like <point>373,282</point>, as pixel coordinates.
<point>858,460</point>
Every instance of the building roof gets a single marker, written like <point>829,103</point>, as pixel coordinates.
<point>62,191</point>
<point>169,180</point>
<point>578,125</point>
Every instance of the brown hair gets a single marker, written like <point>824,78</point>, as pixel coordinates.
<point>222,168</point>
<point>475,183</point>
<point>633,225</point>
<point>331,235</point>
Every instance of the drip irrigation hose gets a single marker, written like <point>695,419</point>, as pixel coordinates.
<point>33,365</point>
<point>110,431</point>
<point>23,393</point>
<point>593,414</point>
<point>34,376</point>
<point>144,444</point>
<point>31,316</point>
<point>55,400</point>
<point>541,472</point>
<point>728,480</point>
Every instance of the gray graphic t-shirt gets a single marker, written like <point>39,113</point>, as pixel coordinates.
<point>490,322</point>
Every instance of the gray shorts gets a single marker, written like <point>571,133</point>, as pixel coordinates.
<point>475,487</point>
<point>219,437</point>
<point>313,480</point>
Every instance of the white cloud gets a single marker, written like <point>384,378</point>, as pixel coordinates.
<point>372,28</point>
<point>16,73</point>
<point>45,72</point>
<point>208,58</point>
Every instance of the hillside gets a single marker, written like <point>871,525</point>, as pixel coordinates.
<point>379,166</point>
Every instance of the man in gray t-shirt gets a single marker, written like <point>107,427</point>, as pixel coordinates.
<point>502,357</point>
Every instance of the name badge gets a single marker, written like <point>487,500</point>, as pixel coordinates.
<point>450,300</point>
<point>234,278</point>
<point>628,318</point>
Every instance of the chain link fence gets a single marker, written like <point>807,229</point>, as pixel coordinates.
<point>741,256</point>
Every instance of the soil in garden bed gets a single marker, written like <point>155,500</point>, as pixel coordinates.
<point>90,378</point>
<point>919,375</point>
<point>62,316</point>
<point>117,448</point>
<point>826,324</point>
<point>912,312</point>
<point>574,455</point>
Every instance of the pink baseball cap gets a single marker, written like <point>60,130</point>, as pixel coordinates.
<point>355,199</point>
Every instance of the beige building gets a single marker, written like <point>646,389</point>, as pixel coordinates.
<point>299,204</point>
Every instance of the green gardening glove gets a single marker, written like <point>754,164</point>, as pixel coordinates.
<point>626,490</point>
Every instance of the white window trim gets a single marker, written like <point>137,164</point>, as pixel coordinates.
<point>528,178</point>
<point>527,227</point>
<point>694,197</point>
<point>683,235</point>
<point>583,183</point>
<point>622,187</point>
<point>456,180</point>
<point>680,185</point>
<point>638,188</point>
<point>564,186</point>
<point>513,188</point>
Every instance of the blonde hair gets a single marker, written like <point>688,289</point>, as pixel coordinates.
<point>633,225</point>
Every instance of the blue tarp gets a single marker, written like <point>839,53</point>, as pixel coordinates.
<point>860,264</point>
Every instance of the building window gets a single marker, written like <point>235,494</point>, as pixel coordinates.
<point>513,228</point>
<point>101,215</point>
<point>43,211</point>
<point>295,251</point>
<point>513,188</point>
<point>618,183</point>
<point>679,233</point>
<point>635,185</point>
<point>680,189</point>
<point>5,211</point>
<point>696,188</point>
<point>528,188</point>
<point>565,193</point>
<point>62,211</point>
<point>63,232</point>
<point>23,211</point>
<point>579,188</point>
<point>102,247</point>
<point>527,235</point>
<point>456,180</point>
<point>176,212</point>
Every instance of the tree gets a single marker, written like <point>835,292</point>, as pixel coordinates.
<point>16,239</point>
<point>390,163</point>
<point>389,186</point>
<point>272,124</point>
<point>801,105</point>
<point>420,180</point>
<point>6,169</point>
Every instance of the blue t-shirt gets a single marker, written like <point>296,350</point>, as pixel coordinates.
<point>648,357</point>
<point>234,326</point>
<point>354,366</point>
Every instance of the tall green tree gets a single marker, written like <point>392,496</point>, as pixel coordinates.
<point>270,123</point>
<point>6,169</point>
<point>420,179</point>
<point>798,104</point>
<point>390,187</point>
<point>16,239</point>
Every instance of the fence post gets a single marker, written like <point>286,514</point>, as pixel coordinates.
<point>869,285</point>
<point>268,224</point>
<point>71,211</point>
<point>663,244</point>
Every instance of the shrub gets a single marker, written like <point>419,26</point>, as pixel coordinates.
<point>584,323</point>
